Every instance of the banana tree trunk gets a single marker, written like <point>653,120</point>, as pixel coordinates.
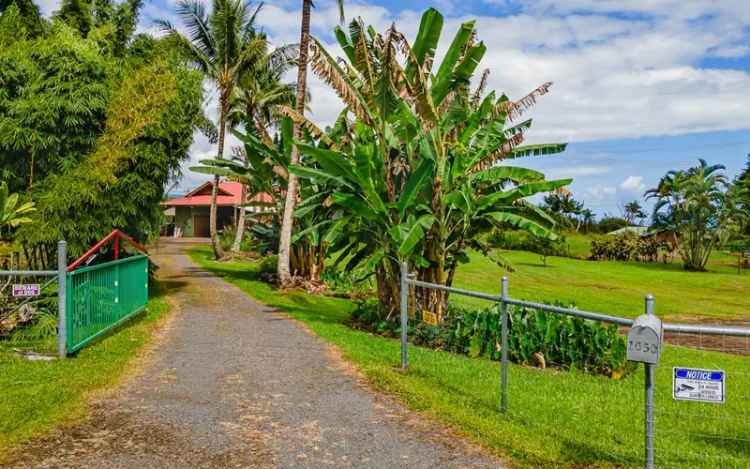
<point>291,194</point>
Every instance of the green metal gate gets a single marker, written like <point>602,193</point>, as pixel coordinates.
<point>102,296</point>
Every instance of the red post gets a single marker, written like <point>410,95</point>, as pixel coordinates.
<point>117,248</point>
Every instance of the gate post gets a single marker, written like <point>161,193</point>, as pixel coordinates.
<point>504,347</point>
<point>62,273</point>
<point>650,383</point>
<point>404,315</point>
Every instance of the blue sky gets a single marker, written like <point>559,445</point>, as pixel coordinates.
<point>640,86</point>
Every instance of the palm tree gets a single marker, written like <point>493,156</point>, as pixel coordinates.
<point>633,212</point>
<point>259,91</point>
<point>222,45</point>
<point>693,204</point>
<point>291,194</point>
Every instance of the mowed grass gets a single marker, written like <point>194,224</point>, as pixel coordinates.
<point>36,396</point>
<point>556,419</point>
<point>617,288</point>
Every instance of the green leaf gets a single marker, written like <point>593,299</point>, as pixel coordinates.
<point>413,236</point>
<point>455,50</point>
<point>428,36</point>
<point>316,174</point>
<point>523,223</point>
<point>537,150</point>
<point>417,182</point>
<point>355,204</point>
<point>502,173</point>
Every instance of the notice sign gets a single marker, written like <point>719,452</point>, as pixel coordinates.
<point>26,290</point>
<point>692,384</point>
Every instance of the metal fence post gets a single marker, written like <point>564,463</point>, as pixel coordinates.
<point>62,272</point>
<point>650,383</point>
<point>504,345</point>
<point>404,315</point>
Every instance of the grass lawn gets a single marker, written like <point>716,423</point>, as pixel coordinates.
<point>36,396</point>
<point>616,287</point>
<point>556,418</point>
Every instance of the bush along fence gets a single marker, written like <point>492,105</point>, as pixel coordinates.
<point>711,431</point>
<point>91,300</point>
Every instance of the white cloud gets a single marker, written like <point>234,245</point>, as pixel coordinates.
<point>597,193</point>
<point>575,171</point>
<point>633,184</point>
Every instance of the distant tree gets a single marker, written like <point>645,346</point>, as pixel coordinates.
<point>565,208</point>
<point>610,223</point>
<point>742,188</point>
<point>633,212</point>
<point>588,219</point>
<point>695,204</point>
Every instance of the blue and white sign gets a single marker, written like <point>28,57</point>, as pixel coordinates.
<point>694,384</point>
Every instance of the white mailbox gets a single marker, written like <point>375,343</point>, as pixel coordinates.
<point>644,339</point>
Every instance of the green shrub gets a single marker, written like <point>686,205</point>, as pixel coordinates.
<point>268,265</point>
<point>535,337</point>
<point>627,247</point>
<point>514,240</point>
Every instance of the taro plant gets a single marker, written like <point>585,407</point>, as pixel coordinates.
<point>420,173</point>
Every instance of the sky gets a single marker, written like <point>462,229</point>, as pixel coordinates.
<point>640,86</point>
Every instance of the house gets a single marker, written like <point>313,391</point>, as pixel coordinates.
<point>190,214</point>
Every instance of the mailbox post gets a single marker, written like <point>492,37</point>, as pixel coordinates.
<point>644,346</point>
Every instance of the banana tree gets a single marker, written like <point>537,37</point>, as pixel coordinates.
<point>419,174</point>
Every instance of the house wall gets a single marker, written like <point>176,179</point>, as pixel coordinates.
<point>184,218</point>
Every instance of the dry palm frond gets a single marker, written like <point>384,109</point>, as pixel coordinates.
<point>329,71</point>
<point>498,155</point>
<point>477,96</point>
<point>305,123</point>
<point>515,109</point>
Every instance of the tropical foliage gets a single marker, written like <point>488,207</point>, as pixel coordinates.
<point>94,119</point>
<point>418,172</point>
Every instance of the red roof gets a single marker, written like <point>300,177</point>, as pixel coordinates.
<point>230,194</point>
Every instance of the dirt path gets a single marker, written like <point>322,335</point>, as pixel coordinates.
<point>233,384</point>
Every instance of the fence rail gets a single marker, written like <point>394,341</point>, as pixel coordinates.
<point>101,297</point>
<point>713,425</point>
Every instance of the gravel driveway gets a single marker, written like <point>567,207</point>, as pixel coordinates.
<point>231,383</point>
